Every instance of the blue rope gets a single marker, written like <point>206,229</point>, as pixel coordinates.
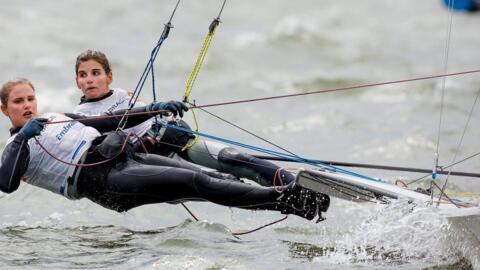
<point>315,163</point>
<point>155,128</point>
<point>153,86</point>
<point>153,55</point>
<point>149,66</point>
<point>149,69</point>
<point>146,71</point>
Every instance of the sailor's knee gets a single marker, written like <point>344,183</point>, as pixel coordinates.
<point>205,183</point>
<point>231,155</point>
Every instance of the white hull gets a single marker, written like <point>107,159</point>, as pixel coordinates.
<point>464,217</point>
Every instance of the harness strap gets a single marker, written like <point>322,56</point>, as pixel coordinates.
<point>71,186</point>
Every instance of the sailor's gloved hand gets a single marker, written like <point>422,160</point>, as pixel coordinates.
<point>175,107</point>
<point>32,128</point>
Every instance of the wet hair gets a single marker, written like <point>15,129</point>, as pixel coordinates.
<point>9,85</point>
<point>97,56</point>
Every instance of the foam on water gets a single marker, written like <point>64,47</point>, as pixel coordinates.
<point>262,48</point>
<point>399,234</point>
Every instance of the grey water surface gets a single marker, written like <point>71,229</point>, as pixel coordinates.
<point>261,49</point>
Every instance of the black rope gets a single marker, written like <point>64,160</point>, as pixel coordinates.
<point>446,167</point>
<point>374,166</point>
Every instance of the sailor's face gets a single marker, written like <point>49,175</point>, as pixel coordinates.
<point>92,79</point>
<point>21,105</point>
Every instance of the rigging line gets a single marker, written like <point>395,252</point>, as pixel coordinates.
<point>149,66</point>
<point>242,161</point>
<point>375,166</point>
<point>271,152</point>
<point>216,155</point>
<point>122,149</point>
<point>156,130</point>
<point>201,56</point>
<point>443,194</point>
<point>460,142</point>
<point>221,9</point>
<point>336,89</point>
<point>292,157</point>
<point>196,69</point>
<point>249,132</point>
<point>445,167</point>
<point>291,160</point>
<point>442,99</point>
<point>189,211</point>
<point>259,228</point>
<point>153,54</point>
<point>337,163</point>
<point>173,13</point>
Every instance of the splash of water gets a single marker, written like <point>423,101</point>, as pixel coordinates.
<point>398,234</point>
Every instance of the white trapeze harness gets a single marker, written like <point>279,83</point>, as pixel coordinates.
<point>117,101</point>
<point>66,141</point>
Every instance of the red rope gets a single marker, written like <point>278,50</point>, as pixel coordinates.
<point>261,227</point>
<point>141,143</point>
<point>284,96</point>
<point>189,211</point>
<point>338,89</point>
<point>83,165</point>
<point>278,176</point>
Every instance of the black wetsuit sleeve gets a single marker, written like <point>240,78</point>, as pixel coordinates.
<point>105,124</point>
<point>15,160</point>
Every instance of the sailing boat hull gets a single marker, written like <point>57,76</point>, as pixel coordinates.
<point>359,189</point>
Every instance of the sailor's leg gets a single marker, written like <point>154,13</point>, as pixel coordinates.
<point>153,159</point>
<point>157,160</point>
<point>137,184</point>
<point>219,156</point>
<point>131,184</point>
<point>227,159</point>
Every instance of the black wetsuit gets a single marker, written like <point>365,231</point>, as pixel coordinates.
<point>170,141</point>
<point>228,160</point>
<point>128,182</point>
<point>132,179</point>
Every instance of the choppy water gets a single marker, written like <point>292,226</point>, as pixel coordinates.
<point>262,48</point>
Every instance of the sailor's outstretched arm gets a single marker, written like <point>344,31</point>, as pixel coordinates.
<point>135,117</point>
<point>15,160</point>
<point>105,124</point>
